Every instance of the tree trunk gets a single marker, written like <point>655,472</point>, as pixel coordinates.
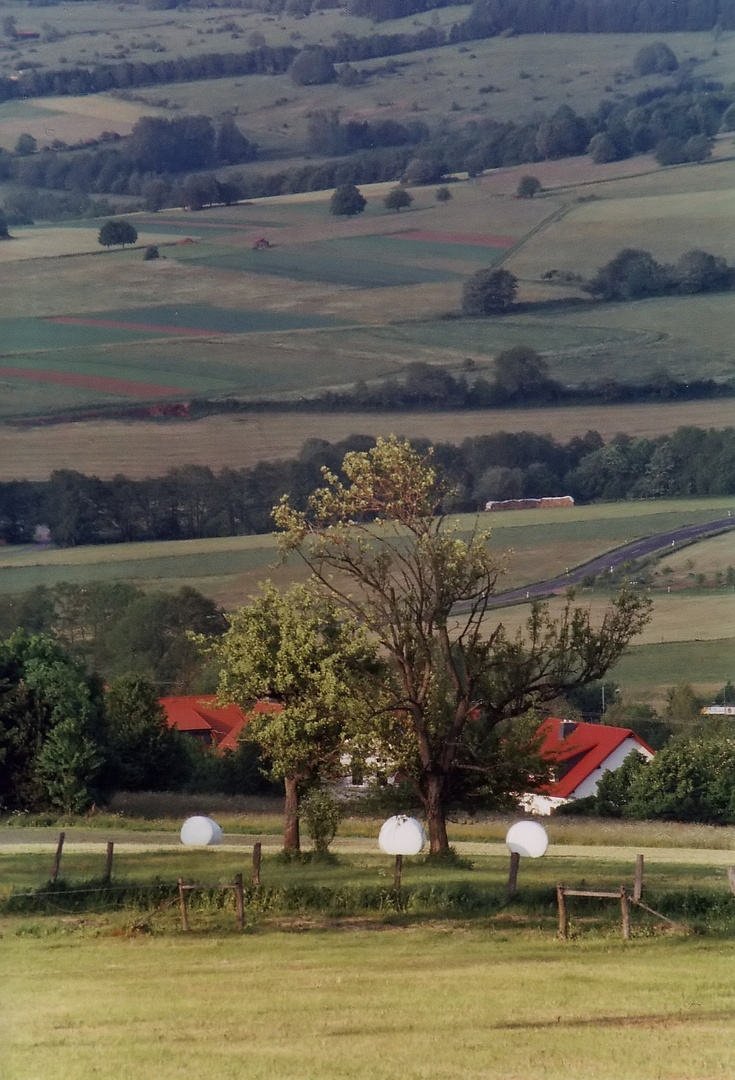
<point>432,796</point>
<point>291,840</point>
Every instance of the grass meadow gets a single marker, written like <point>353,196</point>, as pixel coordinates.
<point>137,448</point>
<point>334,976</point>
<point>425,1003</point>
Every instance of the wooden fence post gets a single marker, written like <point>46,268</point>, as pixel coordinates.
<point>182,904</point>
<point>563,917</point>
<point>638,885</point>
<point>108,862</point>
<point>239,903</point>
<point>731,878</point>
<point>257,855</point>
<point>625,912</point>
<point>57,858</point>
<point>515,860</point>
<point>397,873</point>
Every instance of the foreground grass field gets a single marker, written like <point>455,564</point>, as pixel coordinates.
<point>425,1003</point>
<point>426,990</point>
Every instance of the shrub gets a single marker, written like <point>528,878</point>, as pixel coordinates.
<point>528,186</point>
<point>489,292</point>
<point>323,814</point>
<point>655,59</point>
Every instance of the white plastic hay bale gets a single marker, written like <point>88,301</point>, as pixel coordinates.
<point>401,835</point>
<point>527,838</point>
<point>200,832</point>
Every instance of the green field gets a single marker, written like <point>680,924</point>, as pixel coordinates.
<point>442,989</point>
<point>542,544</point>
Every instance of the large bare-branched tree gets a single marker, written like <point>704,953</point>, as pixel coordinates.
<point>380,545</point>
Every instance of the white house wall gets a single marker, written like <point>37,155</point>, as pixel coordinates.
<point>613,761</point>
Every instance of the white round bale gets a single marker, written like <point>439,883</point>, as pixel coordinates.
<point>401,835</point>
<point>527,838</point>
<point>200,832</point>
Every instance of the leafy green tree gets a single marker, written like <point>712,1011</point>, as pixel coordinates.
<point>397,199</point>
<point>117,232</point>
<point>489,292</point>
<point>443,194</point>
<point>312,66</point>
<point>231,146</point>
<point>691,779</point>
<point>145,754</point>
<point>25,145</point>
<point>152,638</point>
<point>522,373</point>
<point>51,727</point>
<point>528,186</point>
<point>683,709</point>
<point>295,654</point>
<point>631,274</point>
<point>346,201</point>
<point>655,59</point>
<point>379,544</point>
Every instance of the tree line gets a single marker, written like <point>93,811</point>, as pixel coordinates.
<point>195,502</point>
<point>677,122</point>
<point>67,742</point>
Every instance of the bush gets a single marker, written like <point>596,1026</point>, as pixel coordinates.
<point>346,201</point>
<point>150,253</point>
<point>528,186</point>
<point>655,59</point>
<point>312,67</point>
<point>323,814</point>
<point>397,199</point>
<point>489,292</point>
<point>443,194</point>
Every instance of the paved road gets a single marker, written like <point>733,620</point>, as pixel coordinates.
<point>637,549</point>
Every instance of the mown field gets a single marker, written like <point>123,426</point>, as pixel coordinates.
<point>431,1002</point>
<point>143,448</point>
<point>450,982</point>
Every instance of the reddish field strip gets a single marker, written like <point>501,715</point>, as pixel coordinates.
<point>154,328</point>
<point>221,225</point>
<point>90,382</point>
<point>458,238</point>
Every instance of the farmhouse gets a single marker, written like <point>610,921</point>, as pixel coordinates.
<point>203,719</point>
<point>580,754</point>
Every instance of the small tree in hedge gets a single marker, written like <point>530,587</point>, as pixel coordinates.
<point>117,232</point>
<point>346,201</point>
<point>489,292</point>
<point>397,199</point>
<point>528,186</point>
<point>655,59</point>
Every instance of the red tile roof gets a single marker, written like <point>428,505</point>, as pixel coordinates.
<point>201,716</point>
<point>581,751</point>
